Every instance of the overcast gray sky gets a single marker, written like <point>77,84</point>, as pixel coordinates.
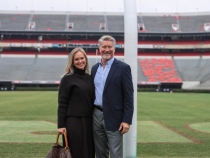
<point>143,6</point>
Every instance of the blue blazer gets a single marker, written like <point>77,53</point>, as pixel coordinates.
<point>117,96</point>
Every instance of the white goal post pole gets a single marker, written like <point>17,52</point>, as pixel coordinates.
<point>130,57</point>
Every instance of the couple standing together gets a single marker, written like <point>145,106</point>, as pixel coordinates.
<point>96,110</point>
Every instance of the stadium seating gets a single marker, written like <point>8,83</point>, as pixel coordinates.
<point>14,68</point>
<point>49,22</point>
<point>192,69</point>
<point>159,70</point>
<point>48,69</point>
<point>162,57</point>
<point>18,22</point>
<point>115,23</point>
<point>18,53</point>
<point>86,22</point>
<point>92,23</point>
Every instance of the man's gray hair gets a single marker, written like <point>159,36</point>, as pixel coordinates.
<point>107,38</point>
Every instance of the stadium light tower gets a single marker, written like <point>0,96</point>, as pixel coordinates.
<point>130,57</point>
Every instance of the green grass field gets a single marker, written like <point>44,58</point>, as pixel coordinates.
<point>169,125</point>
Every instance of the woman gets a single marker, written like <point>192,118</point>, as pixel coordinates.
<point>75,105</point>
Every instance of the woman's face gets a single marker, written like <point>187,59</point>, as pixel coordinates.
<point>79,60</point>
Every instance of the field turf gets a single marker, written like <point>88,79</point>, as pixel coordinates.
<point>169,125</point>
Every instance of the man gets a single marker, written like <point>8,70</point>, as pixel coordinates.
<point>113,111</point>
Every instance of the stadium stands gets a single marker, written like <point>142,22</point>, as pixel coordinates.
<point>13,22</point>
<point>171,49</point>
<point>152,23</point>
<point>204,85</point>
<point>159,70</point>
<point>47,69</point>
<point>115,23</point>
<point>92,23</point>
<point>193,69</point>
<point>86,22</point>
<point>187,24</point>
<point>166,22</point>
<point>14,68</point>
<point>141,76</point>
<point>18,53</point>
<point>49,22</point>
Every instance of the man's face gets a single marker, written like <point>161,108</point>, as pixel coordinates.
<point>107,50</point>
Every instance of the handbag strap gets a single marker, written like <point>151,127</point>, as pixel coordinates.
<point>65,139</point>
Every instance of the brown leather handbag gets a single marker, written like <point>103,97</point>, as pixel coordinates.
<point>59,151</point>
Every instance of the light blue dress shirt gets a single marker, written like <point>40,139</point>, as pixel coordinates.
<point>100,80</point>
